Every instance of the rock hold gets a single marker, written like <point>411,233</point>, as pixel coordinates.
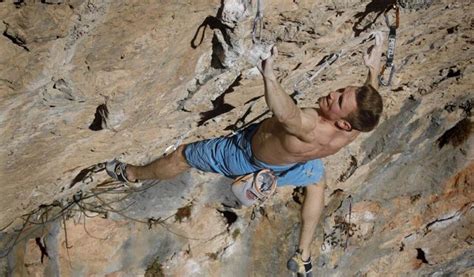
<point>232,12</point>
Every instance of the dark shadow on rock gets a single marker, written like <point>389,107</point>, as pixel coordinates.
<point>15,38</point>
<point>376,6</point>
<point>458,134</point>
<point>100,118</point>
<point>85,175</point>
<point>213,23</point>
<point>219,107</point>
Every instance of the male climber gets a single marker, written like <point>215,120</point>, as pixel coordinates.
<point>291,143</point>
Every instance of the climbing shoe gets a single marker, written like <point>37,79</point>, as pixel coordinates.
<point>298,265</point>
<point>116,170</point>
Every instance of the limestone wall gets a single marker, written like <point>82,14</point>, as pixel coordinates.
<point>84,81</point>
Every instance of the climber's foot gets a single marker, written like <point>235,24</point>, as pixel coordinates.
<point>117,170</point>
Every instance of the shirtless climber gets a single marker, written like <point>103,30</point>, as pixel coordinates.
<point>291,142</point>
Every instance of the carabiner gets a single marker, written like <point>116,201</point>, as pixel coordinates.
<point>257,29</point>
<point>392,38</point>
<point>397,17</point>
<point>390,76</point>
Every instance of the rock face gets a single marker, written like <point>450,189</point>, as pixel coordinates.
<point>84,81</point>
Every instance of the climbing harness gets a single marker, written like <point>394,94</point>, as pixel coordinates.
<point>255,188</point>
<point>258,23</point>
<point>391,47</point>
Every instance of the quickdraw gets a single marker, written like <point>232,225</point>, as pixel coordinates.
<point>350,232</point>
<point>391,48</point>
<point>327,61</point>
<point>258,23</point>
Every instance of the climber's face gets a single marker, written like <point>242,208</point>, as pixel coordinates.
<point>338,104</point>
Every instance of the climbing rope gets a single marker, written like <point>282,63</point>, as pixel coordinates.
<point>392,35</point>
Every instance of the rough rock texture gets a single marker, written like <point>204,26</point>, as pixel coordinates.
<point>83,81</point>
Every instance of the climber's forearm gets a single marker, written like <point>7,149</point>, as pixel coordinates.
<point>373,79</point>
<point>279,102</point>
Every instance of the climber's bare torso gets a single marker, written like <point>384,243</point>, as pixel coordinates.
<point>273,144</point>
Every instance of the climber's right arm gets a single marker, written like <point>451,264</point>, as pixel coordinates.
<point>293,119</point>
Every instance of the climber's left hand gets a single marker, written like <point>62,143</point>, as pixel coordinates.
<point>372,58</point>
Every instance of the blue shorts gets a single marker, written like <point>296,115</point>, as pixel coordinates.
<point>232,157</point>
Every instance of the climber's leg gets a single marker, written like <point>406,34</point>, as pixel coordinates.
<point>163,168</point>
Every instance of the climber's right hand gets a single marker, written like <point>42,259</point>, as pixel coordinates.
<point>266,65</point>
